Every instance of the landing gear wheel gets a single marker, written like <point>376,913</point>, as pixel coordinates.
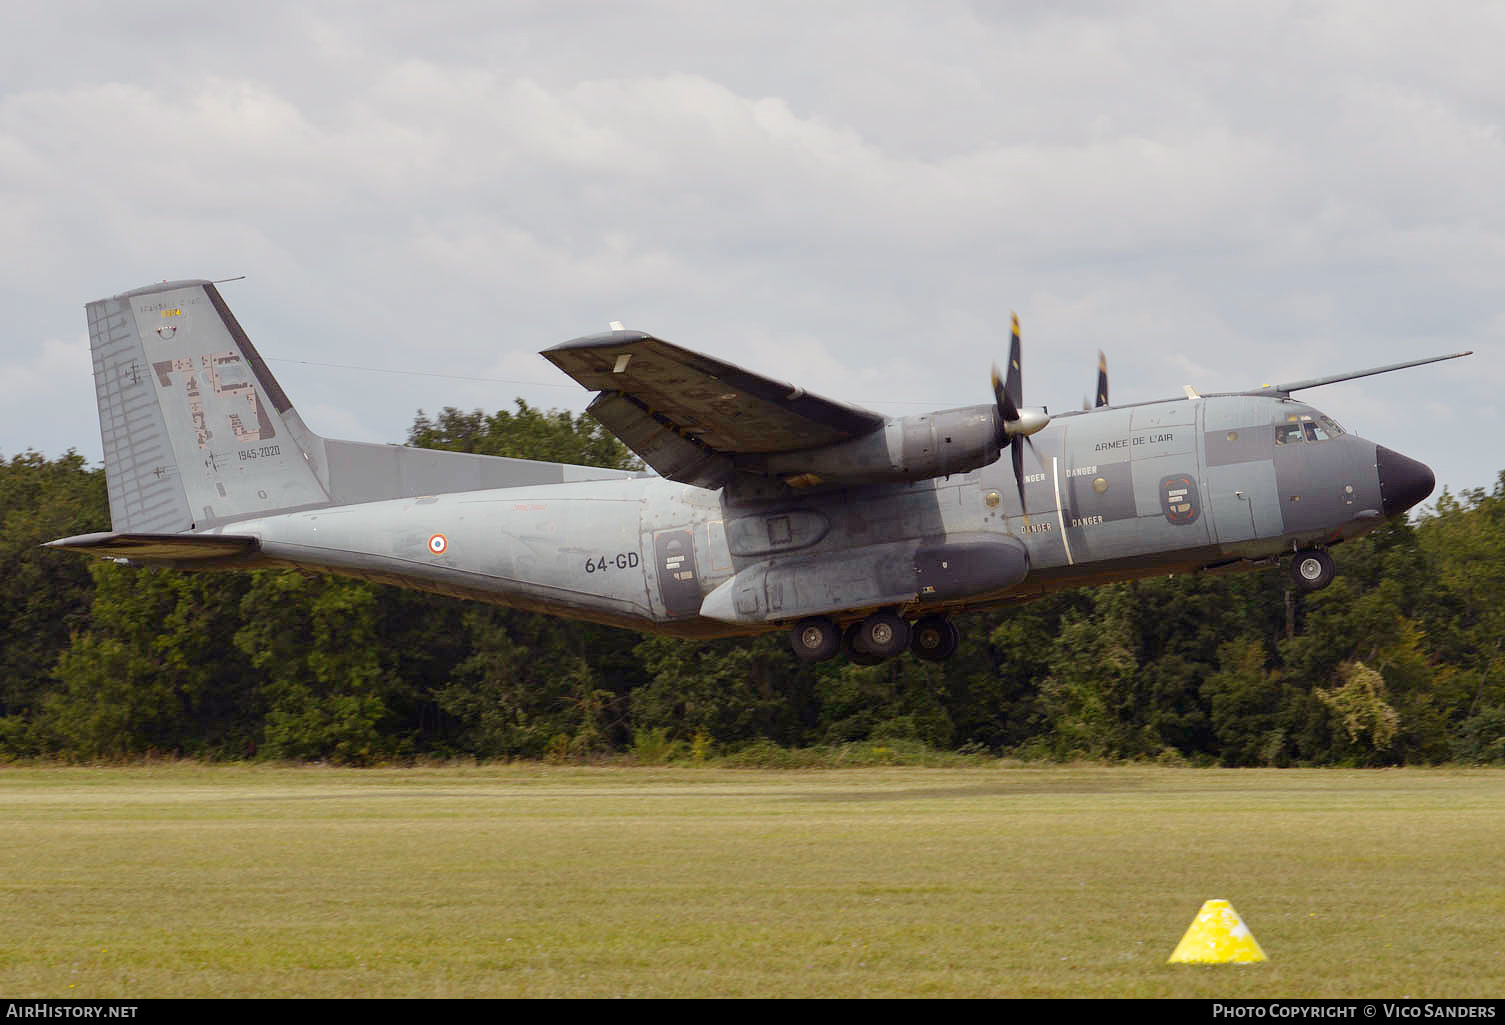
<point>856,655</point>
<point>934,638</point>
<point>815,639</point>
<point>1313,570</point>
<point>883,634</point>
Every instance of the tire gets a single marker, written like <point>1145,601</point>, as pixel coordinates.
<point>1313,570</point>
<point>883,634</point>
<point>934,638</point>
<point>855,654</point>
<point>816,639</point>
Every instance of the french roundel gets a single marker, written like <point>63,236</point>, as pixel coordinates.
<point>438,544</point>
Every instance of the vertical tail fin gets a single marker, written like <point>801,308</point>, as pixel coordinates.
<point>196,430</point>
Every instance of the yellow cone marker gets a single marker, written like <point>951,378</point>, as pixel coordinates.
<point>1217,936</point>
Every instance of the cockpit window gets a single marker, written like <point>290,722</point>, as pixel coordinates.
<point>1303,427</point>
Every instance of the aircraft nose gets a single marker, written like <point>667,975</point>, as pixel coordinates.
<point>1403,481</point>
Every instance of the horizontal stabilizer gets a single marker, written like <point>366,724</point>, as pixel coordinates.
<point>160,547</point>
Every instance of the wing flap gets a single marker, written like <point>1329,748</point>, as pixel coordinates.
<point>658,443</point>
<point>651,389</point>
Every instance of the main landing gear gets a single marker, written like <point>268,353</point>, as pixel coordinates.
<point>880,636</point>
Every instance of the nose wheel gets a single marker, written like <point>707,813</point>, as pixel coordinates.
<point>1313,570</point>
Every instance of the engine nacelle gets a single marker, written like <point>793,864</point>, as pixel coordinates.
<point>904,449</point>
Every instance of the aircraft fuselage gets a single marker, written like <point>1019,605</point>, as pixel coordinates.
<point>1112,494</point>
<point>773,507</point>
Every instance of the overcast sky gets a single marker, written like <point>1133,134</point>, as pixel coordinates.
<point>848,196</point>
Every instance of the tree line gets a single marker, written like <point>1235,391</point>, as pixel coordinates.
<point>1399,661</point>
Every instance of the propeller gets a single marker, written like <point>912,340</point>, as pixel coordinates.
<point>1102,382</point>
<point>1015,424</point>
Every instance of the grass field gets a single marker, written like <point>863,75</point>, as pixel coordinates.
<point>187,880</point>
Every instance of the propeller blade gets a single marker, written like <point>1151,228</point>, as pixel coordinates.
<point>1016,451</point>
<point>1015,425</point>
<point>1006,406</point>
<point>1013,385</point>
<point>1102,379</point>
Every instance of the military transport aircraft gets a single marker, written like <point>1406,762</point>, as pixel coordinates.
<point>771,508</point>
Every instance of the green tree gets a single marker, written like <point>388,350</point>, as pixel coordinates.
<point>528,688</point>
<point>994,678</point>
<point>1463,614</point>
<point>1091,703</point>
<point>324,675</point>
<point>44,595</point>
<point>1369,722</point>
<point>554,436</point>
<point>157,671</point>
<point>900,699</point>
<point>732,691</point>
<point>1243,698</point>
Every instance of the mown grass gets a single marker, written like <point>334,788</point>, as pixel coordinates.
<point>1004,880</point>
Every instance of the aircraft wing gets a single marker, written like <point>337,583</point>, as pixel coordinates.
<point>688,415</point>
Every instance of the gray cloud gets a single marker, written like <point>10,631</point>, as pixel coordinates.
<point>848,196</point>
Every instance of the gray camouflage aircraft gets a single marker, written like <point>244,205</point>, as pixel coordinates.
<point>771,509</point>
